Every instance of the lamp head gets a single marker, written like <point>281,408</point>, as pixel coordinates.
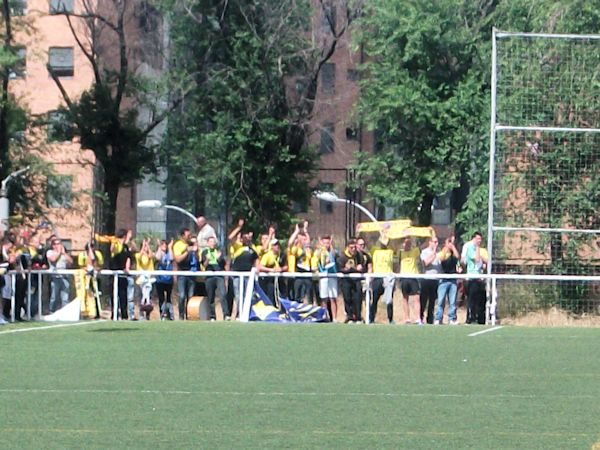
<point>149,204</point>
<point>326,196</point>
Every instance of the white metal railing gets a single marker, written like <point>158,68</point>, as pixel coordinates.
<point>35,277</point>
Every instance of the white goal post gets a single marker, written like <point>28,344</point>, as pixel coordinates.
<point>544,165</point>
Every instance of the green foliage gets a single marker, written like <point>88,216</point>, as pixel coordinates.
<point>239,137</point>
<point>424,94</point>
<point>112,133</point>
<point>25,200</point>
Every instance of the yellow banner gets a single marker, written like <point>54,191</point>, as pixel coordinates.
<point>390,225</point>
<point>395,229</point>
<point>84,294</point>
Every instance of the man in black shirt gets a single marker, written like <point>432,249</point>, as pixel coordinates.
<point>351,262</point>
<point>450,262</point>
<point>120,259</point>
<point>243,259</point>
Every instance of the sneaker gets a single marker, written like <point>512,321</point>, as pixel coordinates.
<point>436,322</point>
<point>227,318</point>
<point>418,322</point>
<point>392,322</point>
<point>454,322</point>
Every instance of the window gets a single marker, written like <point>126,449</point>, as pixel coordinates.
<point>60,61</point>
<point>328,19</point>
<point>18,7</point>
<point>441,211</point>
<point>352,133</point>
<point>352,75</point>
<point>327,143</point>
<point>19,68</point>
<point>328,78</point>
<point>60,129</point>
<point>301,85</point>
<point>299,207</point>
<point>325,207</point>
<point>148,16</point>
<point>61,6</point>
<point>59,192</point>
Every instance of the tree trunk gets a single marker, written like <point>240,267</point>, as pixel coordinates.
<point>4,141</point>
<point>109,216</point>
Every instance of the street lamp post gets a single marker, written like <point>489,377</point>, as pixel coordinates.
<point>4,202</point>
<point>159,204</point>
<point>333,198</point>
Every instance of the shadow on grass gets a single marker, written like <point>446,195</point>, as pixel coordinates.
<point>112,330</point>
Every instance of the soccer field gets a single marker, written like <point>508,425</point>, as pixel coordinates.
<point>232,385</point>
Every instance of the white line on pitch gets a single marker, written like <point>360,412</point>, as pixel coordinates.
<point>74,324</point>
<point>288,394</point>
<point>485,331</point>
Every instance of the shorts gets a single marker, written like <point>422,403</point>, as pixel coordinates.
<point>409,286</point>
<point>328,288</point>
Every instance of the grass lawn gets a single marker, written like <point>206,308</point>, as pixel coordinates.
<point>232,385</point>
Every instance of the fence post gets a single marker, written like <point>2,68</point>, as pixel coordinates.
<point>12,297</point>
<point>115,298</point>
<point>367,300</point>
<point>494,296</point>
<point>247,299</point>
<point>40,312</point>
<point>28,293</point>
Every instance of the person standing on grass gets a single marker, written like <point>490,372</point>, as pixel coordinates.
<point>328,285</point>
<point>7,262</point>
<point>58,259</point>
<point>213,260</point>
<point>450,263</point>
<point>475,259</point>
<point>366,261</point>
<point>185,252</point>
<point>273,261</point>
<point>303,259</point>
<point>243,259</point>
<point>164,283</point>
<point>144,260</point>
<point>431,263</point>
<point>120,259</point>
<point>409,257</point>
<point>383,263</point>
<point>350,262</point>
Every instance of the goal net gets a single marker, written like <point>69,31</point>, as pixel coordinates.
<point>544,204</point>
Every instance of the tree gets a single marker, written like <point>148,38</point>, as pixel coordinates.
<point>15,121</point>
<point>107,115</point>
<point>8,58</point>
<point>240,138</point>
<point>424,93</point>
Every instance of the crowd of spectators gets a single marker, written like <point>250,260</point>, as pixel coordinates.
<point>200,252</point>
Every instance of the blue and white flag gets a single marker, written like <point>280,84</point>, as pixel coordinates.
<point>263,310</point>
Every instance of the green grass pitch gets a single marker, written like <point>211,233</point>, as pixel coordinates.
<point>232,385</point>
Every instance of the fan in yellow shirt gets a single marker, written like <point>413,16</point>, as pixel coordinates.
<point>409,264</point>
<point>144,260</point>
